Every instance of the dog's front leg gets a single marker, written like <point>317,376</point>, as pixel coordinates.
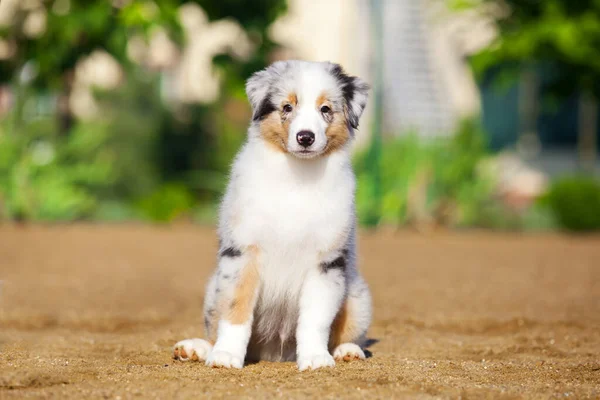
<point>235,324</point>
<point>321,298</point>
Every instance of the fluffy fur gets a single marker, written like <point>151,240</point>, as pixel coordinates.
<point>287,286</point>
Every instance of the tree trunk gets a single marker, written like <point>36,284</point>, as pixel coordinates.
<point>65,116</point>
<point>587,140</point>
<point>528,142</point>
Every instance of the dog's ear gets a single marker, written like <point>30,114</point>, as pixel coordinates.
<point>258,89</point>
<point>355,92</point>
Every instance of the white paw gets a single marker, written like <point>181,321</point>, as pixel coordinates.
<point>191,349</point>
<point>348,352</point>
<point>224,359</point>
<point>315,361</point>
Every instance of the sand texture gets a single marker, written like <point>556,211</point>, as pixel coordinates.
<point>92,312</point>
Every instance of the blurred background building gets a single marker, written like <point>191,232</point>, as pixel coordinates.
<point>133,109</point>
<point>429,86</point>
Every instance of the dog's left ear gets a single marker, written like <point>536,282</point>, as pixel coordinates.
<point>355,92</point>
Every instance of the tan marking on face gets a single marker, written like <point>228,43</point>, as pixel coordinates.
<point>274,128</point>
<point>242,304</point>
<point>322,101</point>
<point>274,132</point>
<point>292,99</point>
<point>337,133</point>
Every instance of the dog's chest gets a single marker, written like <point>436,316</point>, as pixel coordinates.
<point>291,215</point>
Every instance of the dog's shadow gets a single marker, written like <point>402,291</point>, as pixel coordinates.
<point>368,343</point>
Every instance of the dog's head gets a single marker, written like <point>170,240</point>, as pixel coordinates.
<point>307,109</point>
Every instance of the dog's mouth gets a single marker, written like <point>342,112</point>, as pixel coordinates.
<point>306,153</point>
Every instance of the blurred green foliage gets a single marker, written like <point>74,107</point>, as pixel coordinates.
<point>141,161</point>
<point>561,34</point>
<point>151,159</point>
<point>75,28</point>
<point>167,203</point>
<point>575,201</point>
<point>560,38</point>
<point>437,181</point>
<point>45,179</point>
<point>447,181</point>
<point>145,157</point>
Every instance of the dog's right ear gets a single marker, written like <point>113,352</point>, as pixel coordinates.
<point>258,89</point>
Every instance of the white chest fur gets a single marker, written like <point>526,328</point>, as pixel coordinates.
<point>289,207</point>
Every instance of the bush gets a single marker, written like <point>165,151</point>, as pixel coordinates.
<point>149,154</point>
<point>46,178</point>
<point>575,202</point>
<point>169,202</point>
<point>430,180</point>
<point>141,160</point>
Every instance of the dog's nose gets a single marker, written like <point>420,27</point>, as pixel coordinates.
<point>305,138</point>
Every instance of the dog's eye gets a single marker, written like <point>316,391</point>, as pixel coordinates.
<point>325,110</point>
<point>287,108</point>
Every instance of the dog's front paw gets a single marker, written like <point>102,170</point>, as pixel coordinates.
<point>191,349</point>
<point>314,361</point>
<point>224,359</point>
<point>348,352</point>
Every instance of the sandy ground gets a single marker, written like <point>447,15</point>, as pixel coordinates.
<point>92,312</point>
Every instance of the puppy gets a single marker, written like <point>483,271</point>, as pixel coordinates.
<point>287,286</point>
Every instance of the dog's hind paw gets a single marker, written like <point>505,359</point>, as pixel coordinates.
<point>191,350</point>
<point>348,352</point>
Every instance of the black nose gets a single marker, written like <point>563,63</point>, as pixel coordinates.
<point>305,138</point>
